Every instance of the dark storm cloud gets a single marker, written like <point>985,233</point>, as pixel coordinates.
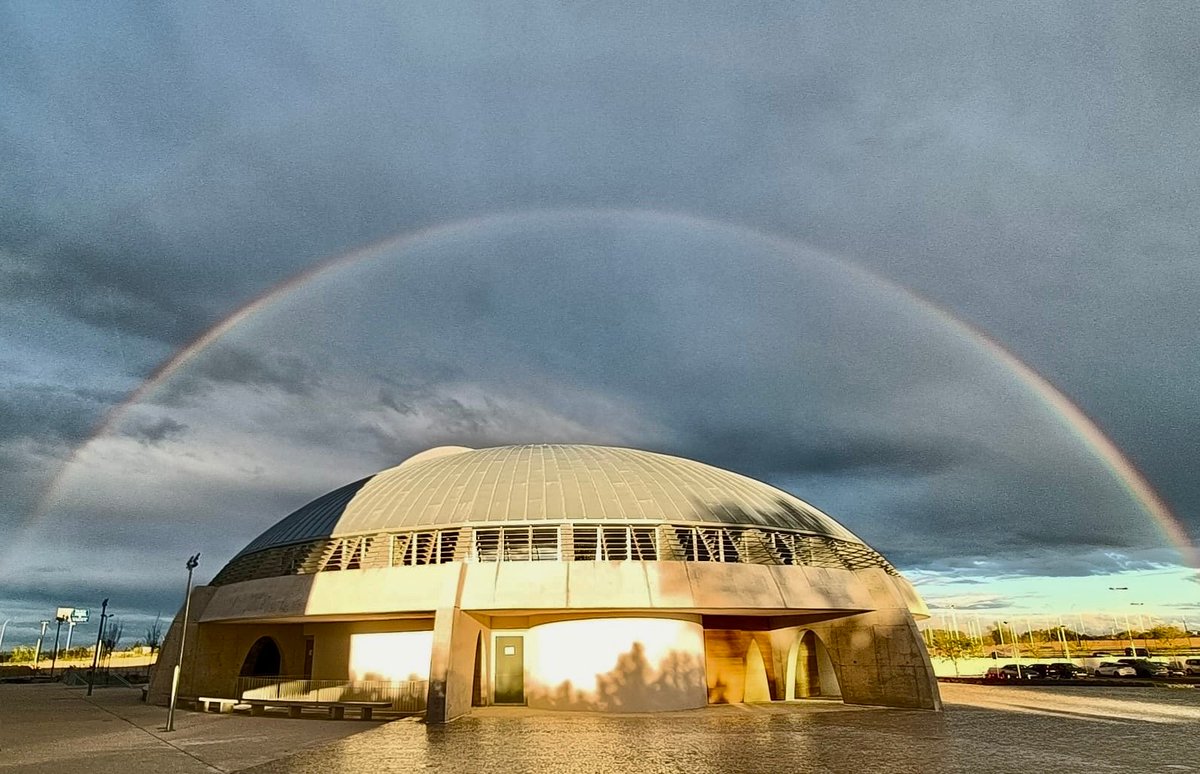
<point>51,412</point>
<point>157,431</point>
<point>1081,560</point>
<point>1033,167</point>
<point>233,365</point>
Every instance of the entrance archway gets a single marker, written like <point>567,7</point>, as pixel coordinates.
<point>263,660</point>
<point>810,672</point>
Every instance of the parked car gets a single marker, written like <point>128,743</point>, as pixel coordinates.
<point>1137,652</point>
<point>1062,670</point>
<point>1014,672</point>
<point>1145,668</point>
<point>1036,671</point>
<point>1191,666</point>
<point>1113,669</point>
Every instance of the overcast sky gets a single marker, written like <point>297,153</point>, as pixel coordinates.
<point>696,230</point>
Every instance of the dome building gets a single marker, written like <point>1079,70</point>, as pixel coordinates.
<point>556,576</point>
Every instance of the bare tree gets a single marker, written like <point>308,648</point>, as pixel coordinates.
<point>112,636</point>
<point>154,634</point>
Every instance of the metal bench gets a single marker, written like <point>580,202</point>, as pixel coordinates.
<point>337,709</point>
<point>224,706</point>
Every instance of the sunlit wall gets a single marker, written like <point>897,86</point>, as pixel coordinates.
<point>390,655</point>
<point>616,664</point>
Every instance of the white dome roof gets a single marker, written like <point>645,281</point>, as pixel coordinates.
<point>451,486</point>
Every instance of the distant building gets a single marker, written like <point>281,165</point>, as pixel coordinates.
<point>560,576</point>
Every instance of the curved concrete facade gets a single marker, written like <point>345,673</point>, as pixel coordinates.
<point>661,591</point>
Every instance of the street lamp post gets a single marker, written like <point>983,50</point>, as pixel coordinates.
<point>1128,628</point>
<point>1016,641</point>
<point>4,626</point>
<point>37,651</point>
<point>1062,636</point>
<point>1141,626</point>
<point>96,652</point>
<point>54,656</point>
<point>192,563</point>
<point>70,629</point>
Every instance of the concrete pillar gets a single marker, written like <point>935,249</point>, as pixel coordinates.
<point>452,660</point>
<point>452,664</point>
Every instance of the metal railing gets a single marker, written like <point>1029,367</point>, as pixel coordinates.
<point>405,695</point>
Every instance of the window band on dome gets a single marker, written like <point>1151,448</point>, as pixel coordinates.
<point>567,542</point>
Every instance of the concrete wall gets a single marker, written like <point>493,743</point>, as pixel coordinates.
<point>873,646</point>
<point>214,653</point>
<point>496,587</point>
<point>880,659</point>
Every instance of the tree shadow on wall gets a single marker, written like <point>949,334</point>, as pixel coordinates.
<point>633,685</point>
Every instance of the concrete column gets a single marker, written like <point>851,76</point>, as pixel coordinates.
<point>452,661</point>
<point>880,659</point>
<point>452,664</point>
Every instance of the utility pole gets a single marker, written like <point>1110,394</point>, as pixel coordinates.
<point>192,563</point>
<point>6,620</point>
<point>96,652</point>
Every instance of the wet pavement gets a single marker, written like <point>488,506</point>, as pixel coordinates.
<point>984,729</point>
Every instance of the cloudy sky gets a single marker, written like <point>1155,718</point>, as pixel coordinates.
<point>772,237</point>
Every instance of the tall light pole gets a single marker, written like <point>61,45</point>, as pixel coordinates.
<point>192,563</point>
<point>1016,646</point>
<point>6,620</point>
<point>96,652</point>
<point>57,631</point>
<point>1128,628</point>
<point>37,651</point>
<point>1141,625</point>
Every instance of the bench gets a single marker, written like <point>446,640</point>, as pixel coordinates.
<point>224,706</point>
<point>337,709</point>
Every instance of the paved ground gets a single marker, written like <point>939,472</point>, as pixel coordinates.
<point>984,729</point>
<point>50,728</point>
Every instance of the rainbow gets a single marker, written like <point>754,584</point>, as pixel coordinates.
<point>1081,425</point>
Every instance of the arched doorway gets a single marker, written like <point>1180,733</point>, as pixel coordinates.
<point>758,687</point>
<point>263,660</point>
<point>807,683</point>
<point>810,673</point>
